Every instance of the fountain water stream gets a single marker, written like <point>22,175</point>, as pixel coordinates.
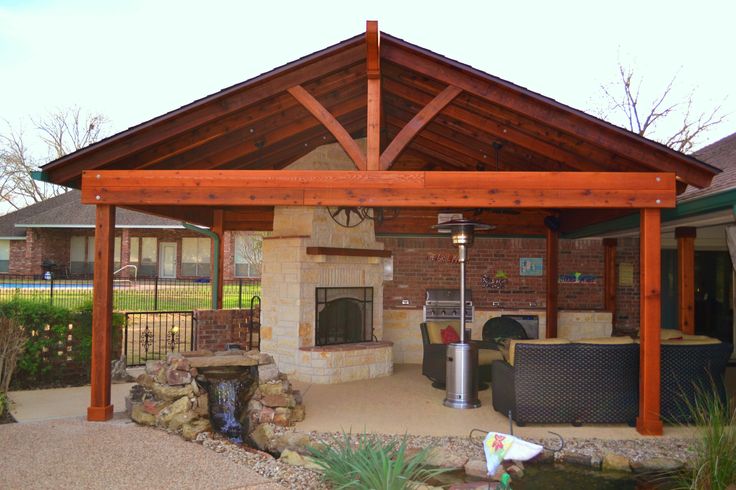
<point>229,389</point>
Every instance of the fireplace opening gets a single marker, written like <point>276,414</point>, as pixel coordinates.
<point>344,315</point>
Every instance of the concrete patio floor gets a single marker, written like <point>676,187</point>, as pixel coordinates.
<point>402,403</point>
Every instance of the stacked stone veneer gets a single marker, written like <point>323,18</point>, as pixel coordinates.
<point>401,327</point>
<point>290,277</point>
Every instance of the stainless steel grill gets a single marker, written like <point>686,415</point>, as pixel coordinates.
<point>444,304</point>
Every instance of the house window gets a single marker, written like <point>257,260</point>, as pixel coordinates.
<point>82,255</point>
<point>247,255</point>
<point>195,257</point>
<point>143,254</point>
<point>4,255</point>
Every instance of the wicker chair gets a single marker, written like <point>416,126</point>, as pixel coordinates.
<point>434,364</point>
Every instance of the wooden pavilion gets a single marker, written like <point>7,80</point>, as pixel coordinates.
<point>439,135</point>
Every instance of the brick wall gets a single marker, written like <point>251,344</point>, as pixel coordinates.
<point>421,263</point>
<point>627,297</point>
<point>215,328</point>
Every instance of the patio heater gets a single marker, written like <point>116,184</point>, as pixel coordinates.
<point>462,357</point>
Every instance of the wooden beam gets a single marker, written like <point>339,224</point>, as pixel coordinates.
<point>218,227</point>
<point>380,188</point>
<point>614,140</point>
<point>609,277</point>
<point>421,119</point>
<point>100,408</point>
<point>686,277</point>
<point>373,72</point>
<point>551,277</point>
<point>348,252</point>
<point>333,125</point>
<point>649,422</point>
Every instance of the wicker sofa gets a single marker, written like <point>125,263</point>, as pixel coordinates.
<point>568,382</point>
<point>597,381</point>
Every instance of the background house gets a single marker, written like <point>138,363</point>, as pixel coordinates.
<point>57,235</point>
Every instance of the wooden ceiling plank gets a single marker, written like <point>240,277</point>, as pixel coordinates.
<point>333,126</point>
<point>417,123</point>
<point>162,128</point>
<point>568,121</point>
<point>373,72</point>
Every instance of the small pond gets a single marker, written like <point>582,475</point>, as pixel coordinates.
<point>568,477</point>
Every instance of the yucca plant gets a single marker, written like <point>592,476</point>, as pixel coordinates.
<point>370,464</point>
<point>714,461</point>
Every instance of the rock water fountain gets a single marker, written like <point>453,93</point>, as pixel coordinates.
<point>231,392</point>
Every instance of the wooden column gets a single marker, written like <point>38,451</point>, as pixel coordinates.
<point>218,227</point>
<point>686,277</point>
<point>100,408</point>
<point>552,286</point>
<point>649,422</point>
<point>609,277</point>
<point>373,71</point>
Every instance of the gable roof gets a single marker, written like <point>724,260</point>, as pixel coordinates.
<point>722,155</point>
<point>67,211</point>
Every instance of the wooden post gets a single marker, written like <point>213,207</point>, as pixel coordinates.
<point>100,408</point>
<point>553,248</point>
<point>609,277</point>
<point>686,277</point>
<point>373,71</point>
<point>218,259</point>
<point>649,422</point>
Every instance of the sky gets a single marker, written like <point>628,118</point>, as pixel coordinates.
<point>132,60</point>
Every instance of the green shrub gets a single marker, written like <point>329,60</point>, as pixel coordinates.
<point>372,464</point>
<point>51,357</point>
<point>714,462</point>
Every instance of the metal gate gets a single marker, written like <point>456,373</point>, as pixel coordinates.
<point>150,335</point>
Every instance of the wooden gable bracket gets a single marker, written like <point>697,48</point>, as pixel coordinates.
<point>333,125</point>
<point>374,159</point>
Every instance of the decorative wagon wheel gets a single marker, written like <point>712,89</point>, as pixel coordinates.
<point>351,217</point>
<point>346,217</point>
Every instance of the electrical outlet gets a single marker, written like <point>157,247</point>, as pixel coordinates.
<point>496,303</point>
<point>404,301</point>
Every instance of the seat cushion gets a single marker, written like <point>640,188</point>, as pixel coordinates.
<point>606,341</point>
<point>487,356</point>
<point>699,341</point>
<point>670,334</point>
<point>434,330</point>
<point>514,343</point>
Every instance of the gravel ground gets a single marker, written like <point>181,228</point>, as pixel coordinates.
<point>74,454</point>
<point>301,478</point>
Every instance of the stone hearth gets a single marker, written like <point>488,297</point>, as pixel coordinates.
<point>290,277</point>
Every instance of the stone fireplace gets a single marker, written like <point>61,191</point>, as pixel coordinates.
<point>303,254</point>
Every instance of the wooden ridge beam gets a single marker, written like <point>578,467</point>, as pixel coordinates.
<point>373,72</point>
<point>417,123</point>
<point>380,188</point>
<point>331,123</point>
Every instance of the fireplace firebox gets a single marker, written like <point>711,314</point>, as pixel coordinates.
<point>344,315</point>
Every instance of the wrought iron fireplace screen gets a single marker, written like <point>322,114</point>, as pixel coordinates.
<point>343,315</point>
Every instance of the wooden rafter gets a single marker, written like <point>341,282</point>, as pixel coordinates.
<point>333,125</point>
<point>373,72</point>
<point>608,138</point>
<point>380,188</point>
<point>410,130</point>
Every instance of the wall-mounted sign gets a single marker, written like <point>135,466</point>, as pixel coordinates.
<point>578,278</point>
<point>445,217</point>
<point>495,283</point>
<point>625,274</point>
<point>531,266</point>
<point>448,258</point>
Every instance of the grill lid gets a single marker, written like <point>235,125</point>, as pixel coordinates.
<point>447,296</point>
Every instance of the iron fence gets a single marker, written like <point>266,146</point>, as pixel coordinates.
<point>142,294</point>
<point>150,335</point>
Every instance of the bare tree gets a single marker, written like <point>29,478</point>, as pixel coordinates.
<point>61,132</point>
<point>249,248</point>
<point>648,116</point>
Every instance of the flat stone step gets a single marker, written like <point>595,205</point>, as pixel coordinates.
<point>217,361</point>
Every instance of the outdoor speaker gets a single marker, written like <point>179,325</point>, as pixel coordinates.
<point>552,222</point>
